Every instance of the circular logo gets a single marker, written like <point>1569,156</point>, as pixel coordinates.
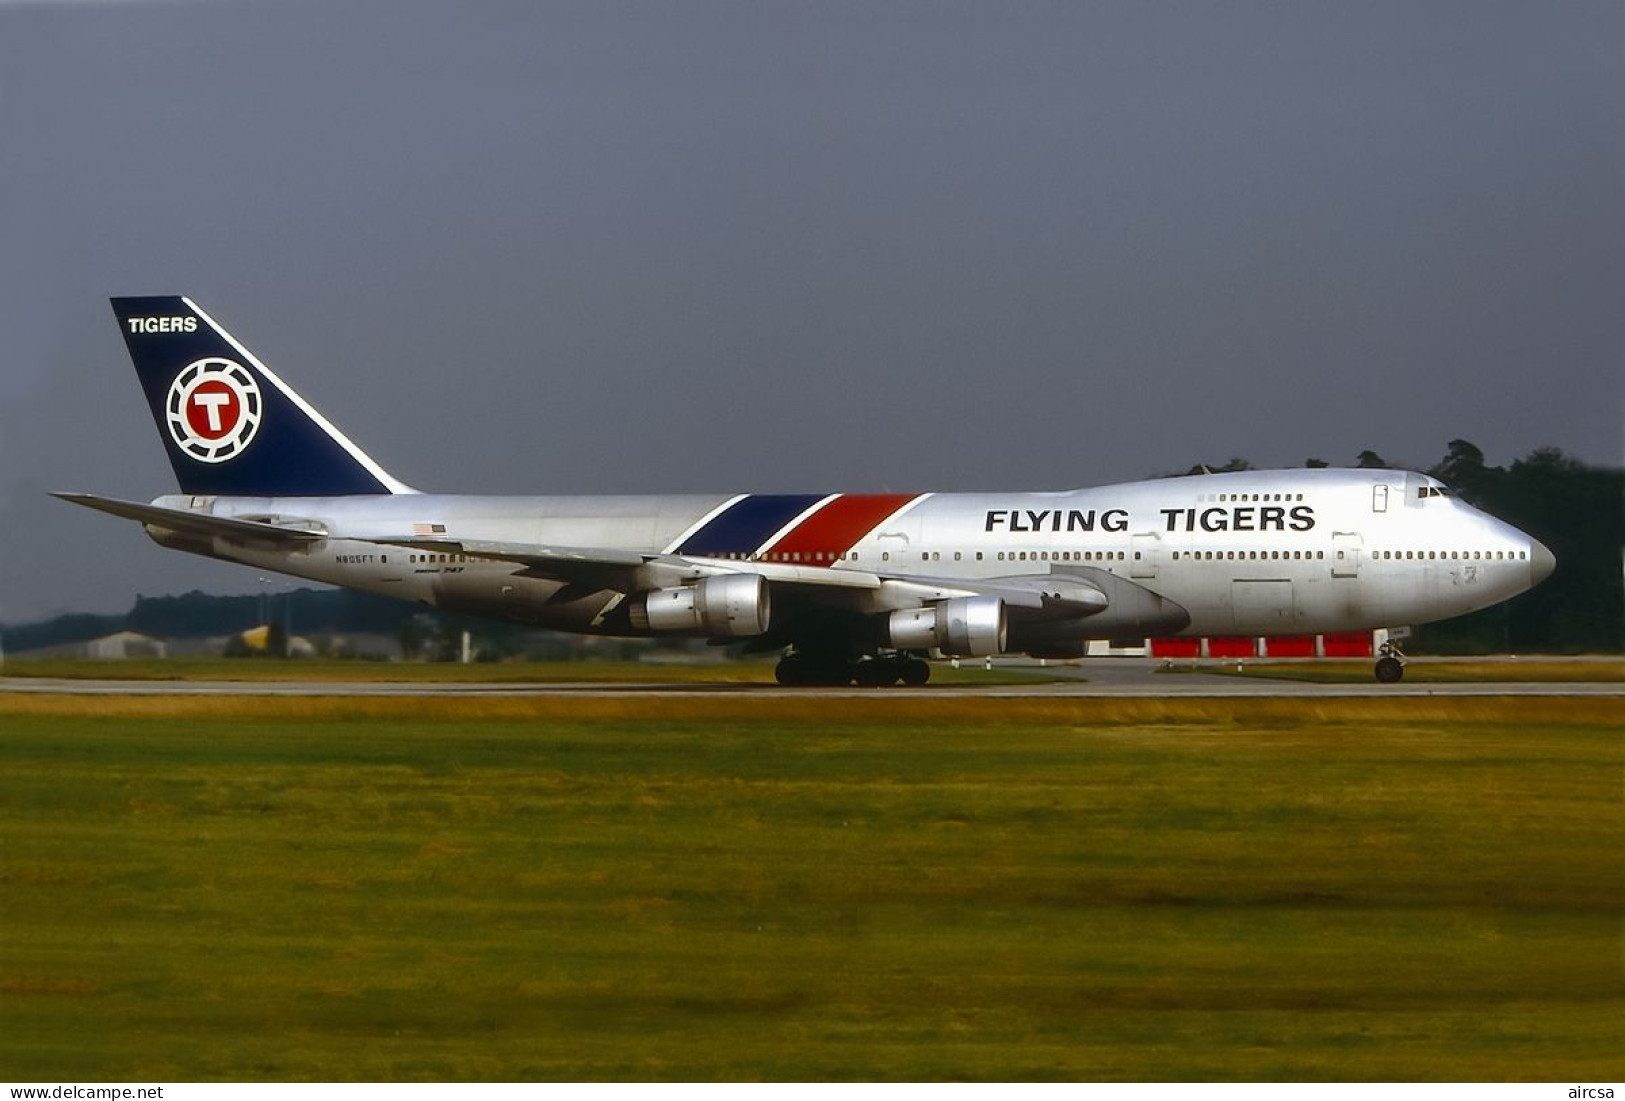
<point>213,409</point>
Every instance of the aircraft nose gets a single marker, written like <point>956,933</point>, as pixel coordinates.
<point>1541,562</point>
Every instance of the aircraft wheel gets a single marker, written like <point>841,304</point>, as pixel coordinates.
<point>916,672</point>
<point>802,672</point>
<point>1390,670</point>
<point>874,673</point>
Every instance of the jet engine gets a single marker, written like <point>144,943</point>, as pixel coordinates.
<point>731,606</point>
<point>966,626</point>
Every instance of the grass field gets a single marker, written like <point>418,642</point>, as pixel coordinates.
<point>1453,671</point>
<point>761,671</point>
<point>757,888</point>
<point>508,672</point>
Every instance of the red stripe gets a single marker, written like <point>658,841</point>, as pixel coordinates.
<point>833,529</point>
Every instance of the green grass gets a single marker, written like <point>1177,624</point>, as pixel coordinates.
<point>689,891</point>
<point>1465,671</point>
<point>507,672</point>
<point>320,669</point>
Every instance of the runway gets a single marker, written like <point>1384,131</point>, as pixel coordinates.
<point>1108,678</point>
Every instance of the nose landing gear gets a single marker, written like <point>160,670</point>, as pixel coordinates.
<point>1390,664</point>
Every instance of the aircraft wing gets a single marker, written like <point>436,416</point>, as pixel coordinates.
<point>198,523</point>
<point>1044,596</point>
<point>1052,595</point>
<point>580,564</point>
<point>563,563</point>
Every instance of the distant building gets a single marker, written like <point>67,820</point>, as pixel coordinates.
<point>124,645</point>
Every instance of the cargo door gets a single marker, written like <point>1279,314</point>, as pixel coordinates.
<point>1263,607</point>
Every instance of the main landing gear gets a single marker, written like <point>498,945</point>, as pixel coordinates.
<point>802,670</point>
<point>1390,664</point>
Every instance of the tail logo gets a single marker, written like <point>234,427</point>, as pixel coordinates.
<point>213,409</point>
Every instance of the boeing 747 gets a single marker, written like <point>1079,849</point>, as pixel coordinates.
<point>851,587</point>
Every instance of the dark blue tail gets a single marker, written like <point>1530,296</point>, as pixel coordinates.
<point>231,427</point>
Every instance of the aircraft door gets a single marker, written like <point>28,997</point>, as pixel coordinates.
<point>1346,554</point>
<point>1143,557</point>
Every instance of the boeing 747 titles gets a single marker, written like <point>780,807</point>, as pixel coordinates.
<point>851,587</point>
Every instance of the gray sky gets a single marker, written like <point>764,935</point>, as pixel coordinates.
<point>598,247</point>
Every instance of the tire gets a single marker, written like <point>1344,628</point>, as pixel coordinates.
<point>1390,670</point>
<point>915,672</point>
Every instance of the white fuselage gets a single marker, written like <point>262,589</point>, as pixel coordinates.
<point>1250,553</point>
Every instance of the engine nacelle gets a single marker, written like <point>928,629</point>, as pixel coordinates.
<point>733,606</point>
<point>966,626</point>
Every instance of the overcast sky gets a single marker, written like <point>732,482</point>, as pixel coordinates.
<point>597,247</point>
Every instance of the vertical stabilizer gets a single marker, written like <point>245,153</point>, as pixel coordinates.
<point>232,427</point>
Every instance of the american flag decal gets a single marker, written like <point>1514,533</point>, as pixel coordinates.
<point>428,529</point>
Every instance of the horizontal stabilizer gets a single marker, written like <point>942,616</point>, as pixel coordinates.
<point>195,523</point>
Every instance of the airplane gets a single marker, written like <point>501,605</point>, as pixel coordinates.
<point>851,588</point>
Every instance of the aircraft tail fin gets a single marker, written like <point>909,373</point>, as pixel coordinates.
<point>230,425</point>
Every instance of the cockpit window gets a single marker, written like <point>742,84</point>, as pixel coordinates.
<point>1433,491</point>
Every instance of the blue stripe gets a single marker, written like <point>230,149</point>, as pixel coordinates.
<point>748,524</point>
